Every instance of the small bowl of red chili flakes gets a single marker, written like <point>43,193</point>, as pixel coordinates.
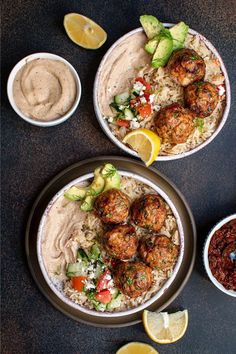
<point>220,255</point>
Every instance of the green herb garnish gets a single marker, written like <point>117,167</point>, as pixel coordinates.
<point>194,58</point>
<point>110,172</point>
<point>199,123</point>
<point>129,281</point>
<point>199,83</point>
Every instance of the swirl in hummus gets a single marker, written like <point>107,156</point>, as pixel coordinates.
<point>44,89</point>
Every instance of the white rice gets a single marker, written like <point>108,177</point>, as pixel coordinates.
<point>167,91</point>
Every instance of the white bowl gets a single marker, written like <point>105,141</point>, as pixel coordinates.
<point>11,79</point>
<point>104,125</point>
<point>206,260</point>
<point>56,286</point>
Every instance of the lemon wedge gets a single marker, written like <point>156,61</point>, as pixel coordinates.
<point>83,31</point>
<point>137,348</point>
<point>145,142</point>
<point>165,328</point>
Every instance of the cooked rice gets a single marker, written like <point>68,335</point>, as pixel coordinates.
<point>134,189</point>
<point>167,92</point>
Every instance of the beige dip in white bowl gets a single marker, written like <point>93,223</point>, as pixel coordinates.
<point>44,89</point>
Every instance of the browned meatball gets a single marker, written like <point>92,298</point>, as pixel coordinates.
<point>202,98</point>
<point>149,212</point>
<point>186,66</point>
<point>121,242</point>
<point>133,278</point>
<point>158,252</point>
<point>174,124</point>
<point>112,206</point>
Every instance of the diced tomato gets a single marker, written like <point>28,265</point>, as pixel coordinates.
<point>147,96</point>
<point>104,296</point>
<point>144,82</point>
<point>145,110</point>
<point>103,282</point>
<point>122,123</point>
<point>78,283</point>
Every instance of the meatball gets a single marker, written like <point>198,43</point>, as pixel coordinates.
<point>186,66</point>
<point>121,242</point>
<point>149,212</point>
<point>174,123</point>
<point>202,98</point>
<point>133,278</point>
<point>112,206</point>
<point>158,252</point>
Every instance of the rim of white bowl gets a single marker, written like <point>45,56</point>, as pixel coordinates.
<point>60,294</point>
<point>116,141</point>
<point>11,78</point>
<point>205,255</point>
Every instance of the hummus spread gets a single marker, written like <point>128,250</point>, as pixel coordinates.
<point>120,69</point>
<point>59,246</point>
<point>44,89</point>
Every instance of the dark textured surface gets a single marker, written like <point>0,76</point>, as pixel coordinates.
<point>31,156</point>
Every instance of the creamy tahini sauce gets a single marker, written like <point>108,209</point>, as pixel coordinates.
<point>120,68</point>
<point>44,89</point>
<point>61,235</point>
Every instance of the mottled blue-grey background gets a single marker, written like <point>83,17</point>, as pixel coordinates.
<point>31,156</point>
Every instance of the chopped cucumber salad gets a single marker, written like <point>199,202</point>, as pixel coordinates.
<point>92,277</point>
<point>134,106</point>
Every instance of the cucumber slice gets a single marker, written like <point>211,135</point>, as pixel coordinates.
<point>114,303</point>
<point>122,99</point>
<point>95,252</point>
<point>128,114</point>
<point>163,52</point>
<point>82,255</point>
<point>75,269</point>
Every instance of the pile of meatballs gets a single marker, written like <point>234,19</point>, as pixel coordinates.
<point>121,242</point>
<point>174,123</point>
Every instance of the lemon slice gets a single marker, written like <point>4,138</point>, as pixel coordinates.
<point>137,348</point>
<point>165,328</point>
<point>83,31</point>
<point>145,142</point>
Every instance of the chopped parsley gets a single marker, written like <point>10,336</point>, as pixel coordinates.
<point>175,115</point>
<point>110,172</point>
<point>199,123</point>
<point>199,83</point>
<point>194,58</point>
<point>129,281</point>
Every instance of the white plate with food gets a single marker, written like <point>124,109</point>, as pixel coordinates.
<point>181,92</point>
<point>110,243</point>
